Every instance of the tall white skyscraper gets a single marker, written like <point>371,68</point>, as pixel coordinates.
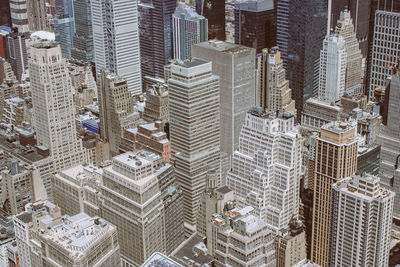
<point>266,168</point>
<point>116,40</point>
<point>188,28</point>
<point>354,71</point>
<point>194,130</point>
<point>53,107</point>
<point>332,68</point>
<point>361,222</point>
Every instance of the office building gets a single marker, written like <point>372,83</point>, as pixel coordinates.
<point>82,49</point>
<point>214,11</point>
<point>188,28</point>
<point>116,108</point>
<point>332,69</point>
<point>133,202</point>
<point>64,26</point>
<point>255,24</point>
<point>54,120</point>
<point>389,139</point>
<point>37,16</point>
<point>301,29</point>
<point>149,136</point>
<point>198,150</point>
<point>234,64</point>
<point>361,222</point>
<point>19,15</point>
<point>74,241</point>
<point>266,168</point>
<point>7,238</point>
<point>360,12</point>
<point>16,53</point>
<point>385,51</point>
<point>6,71</point>
<point>241,231</point>
<point>118,53</point>
<point>155,24</point>
<point>214,200</point>
<point>335,159</point>
<point>5,10</point>
<point>156,103</point>
<point>354,70</point>
<point>272,87</point>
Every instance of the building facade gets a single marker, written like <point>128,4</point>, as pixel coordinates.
<point>361,222</point>
<point>197,150</point>
<point>188,28</point>
<point>335,159</point>
<point>82,49</point>
<point>269,155</point>
<point>156,103</point>
<point>234,64</point>
<point>19,15</point>
<point>214,11</point>
<point>16,53</point>
<point>64,25</point>
<point>118,53</point>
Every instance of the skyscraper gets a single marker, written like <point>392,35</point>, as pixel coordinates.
<point>188,28</point>
<point>54,120</point>
<point>64,26</point>
<point>194,118</point>
<point>83,39</point>
<point>234,64</point>
<point>119,52</point>
<point>360,13</point>
<point>214,11</point>
<point>335,159</point>
<point>266,168</point>
<point>301,29</point>
<point>19,15</point>
<point>6,13</point>
<point>272,88</point>
<point>155,36</point>
<point>116,108</point>
<point>133,202</point>
<point>385,51</point>
<point>16,53</point>
<point>361,222</point>
<point>37,16</point>
<point>332,69</point>
<point>255,24</point>
<point>389,139</point>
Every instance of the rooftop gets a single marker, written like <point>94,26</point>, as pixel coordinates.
<point>160,260</point>
<point>223,46</point>
<point>190,63</point>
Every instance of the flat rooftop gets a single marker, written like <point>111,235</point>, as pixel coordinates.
<point>190,63</point>
<point>223,46</point>
<point>186,256</point>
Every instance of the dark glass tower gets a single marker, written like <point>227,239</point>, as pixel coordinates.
<point>5,18</point>
<point>214,11</point>
<point>83,39</point>
<point>64,26</point>
<point>302,26</point>
<point>155,36</point>
<point>255,24</point>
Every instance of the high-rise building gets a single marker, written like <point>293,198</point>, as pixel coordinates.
<point>83,39</point>
<point>266,168</point>
<point>156,103</point>
<point>19,15</point>
<point>117,53</point>
<point>361,222</point>
<point>385,51</point>
<point>194,117</point>
<point>354,70</point>
<point>6,71</point>
<point>214,11</point>
<point>360,13</point>
<point>234,64</point>
<point>77,240</point>
<point>255,24</point>
<point>272,88</point>
<point>155,28</point>
<point>64,26</point>
<point>335,159</point>
<point>16,53</point>
<point>116,108</point>
<point>301,29</point>
<point>332,69</point>
<point>389,139</point>
<point>133,202</point>
<point>188,28</point>
<point>54,121</point>
<point>6,13</point>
